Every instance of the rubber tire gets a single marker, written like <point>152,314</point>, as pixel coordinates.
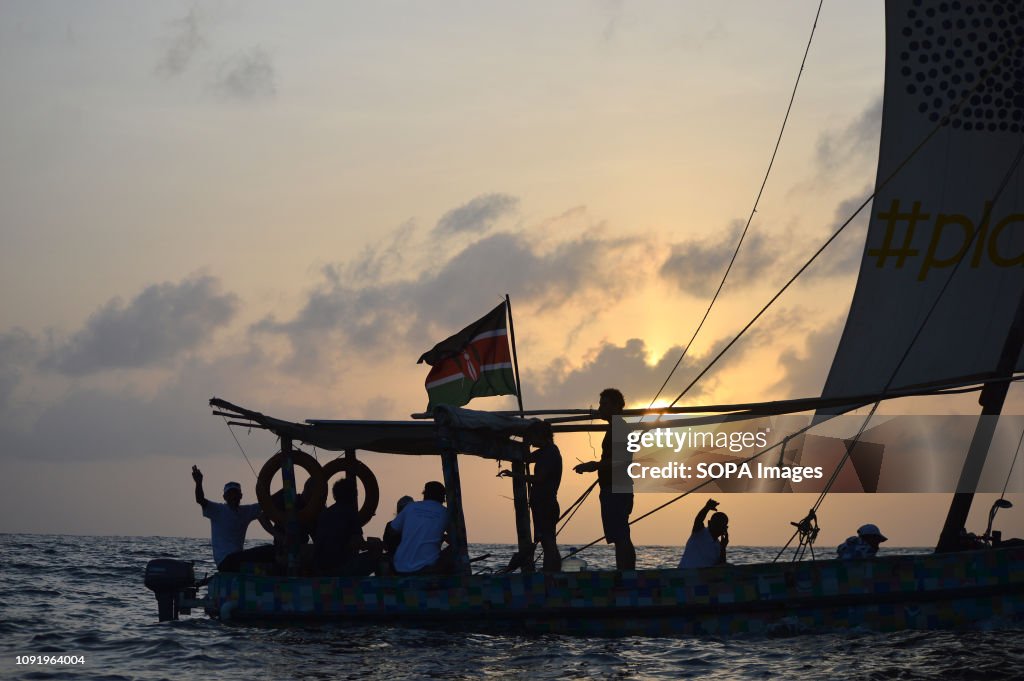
<point>311,509</point>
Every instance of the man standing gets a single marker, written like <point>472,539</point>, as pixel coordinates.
<point>706,545</point>
<point>544,483</point>
<point>615,508</point>
<point>422,525</point>
<point>228,521</point>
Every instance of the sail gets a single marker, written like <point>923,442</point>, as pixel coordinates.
<point>949,225</point>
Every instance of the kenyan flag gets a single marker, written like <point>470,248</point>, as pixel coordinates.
<point>475,362</point>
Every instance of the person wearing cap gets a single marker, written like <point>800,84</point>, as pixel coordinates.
<point>228,521</point>
<point>864,545</point>
<point>422,525</point>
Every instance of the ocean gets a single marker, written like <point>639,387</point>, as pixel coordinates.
<point>84,597</point>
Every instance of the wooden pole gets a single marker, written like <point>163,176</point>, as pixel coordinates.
<point>291,523</point>
<point>350,455</point>
<point>520,490</point>
<point>453,492</point>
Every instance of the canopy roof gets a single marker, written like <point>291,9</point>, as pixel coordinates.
<point>465,430</point>
<point>490,435</point>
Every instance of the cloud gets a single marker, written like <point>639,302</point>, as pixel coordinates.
<point>156,326</point>
<point>375,315</point>
<point>857,140</point>
<point>805,373</point>
<point>248,76</point>
<point>843,256</point>
<point>479,215</point>
<point>383,258</point>
<point>17,351</point>
<point>111,423</point>
<point>613,10</point>
<point>187,40</point>
<point>626,367</point>
<point>696,266</point>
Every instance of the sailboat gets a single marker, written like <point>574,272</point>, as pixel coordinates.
<point>939,306</point>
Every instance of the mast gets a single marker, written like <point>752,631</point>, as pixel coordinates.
<point>992,397</point>
<point>520,491</point>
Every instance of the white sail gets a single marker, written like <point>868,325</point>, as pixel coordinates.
<point>941,57</point>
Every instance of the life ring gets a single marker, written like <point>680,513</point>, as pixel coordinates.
<point>308,512</point>
<point>371,490</point>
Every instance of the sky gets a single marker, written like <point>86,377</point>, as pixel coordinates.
<point>284,207</point>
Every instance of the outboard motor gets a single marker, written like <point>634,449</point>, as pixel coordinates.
<point>171,580</point>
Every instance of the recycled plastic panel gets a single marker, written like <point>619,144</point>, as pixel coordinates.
<point>885,593</point>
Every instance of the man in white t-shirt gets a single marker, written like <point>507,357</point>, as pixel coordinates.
<point>423,525</point>
<point>706,545</point>
<point>228,521</point>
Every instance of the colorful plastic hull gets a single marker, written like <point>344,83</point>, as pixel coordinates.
<point>942,591</point>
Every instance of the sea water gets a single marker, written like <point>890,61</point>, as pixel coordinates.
<point>83,597</point>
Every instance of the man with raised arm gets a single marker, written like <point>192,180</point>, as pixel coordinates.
<point>706,545</point>
<point>615,507</point>
<point>228,521</point>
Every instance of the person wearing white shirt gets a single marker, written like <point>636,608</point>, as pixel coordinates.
<point>706,545</point>
<point>422,525</point>
<point>228,521</point>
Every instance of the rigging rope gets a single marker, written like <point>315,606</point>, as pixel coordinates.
<point>575,506</point>
<point>231,430</point>
<point>920,329</point>
<point>942,122</point>
<point>924,322</point>
<point>710,481</point>
<point>753,210</point>
<point>1012,464</point>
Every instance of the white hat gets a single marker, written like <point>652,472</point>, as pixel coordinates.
<point>870,530</point>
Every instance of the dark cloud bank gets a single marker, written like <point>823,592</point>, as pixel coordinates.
<point>360,310</point>
<point>156,326</point>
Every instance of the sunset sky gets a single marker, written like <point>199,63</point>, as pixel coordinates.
<point>285,206</point>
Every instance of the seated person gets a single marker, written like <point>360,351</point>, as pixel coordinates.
<point>392,537</point>
<point>305,529</point>
<point>338,536</point>
<point>423,525</point>
<point>864,545</point>
<point>706,545</point>
<point>228,524</point>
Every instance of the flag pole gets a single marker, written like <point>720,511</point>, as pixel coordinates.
<point>515,357</point>
<point>520,491</point>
